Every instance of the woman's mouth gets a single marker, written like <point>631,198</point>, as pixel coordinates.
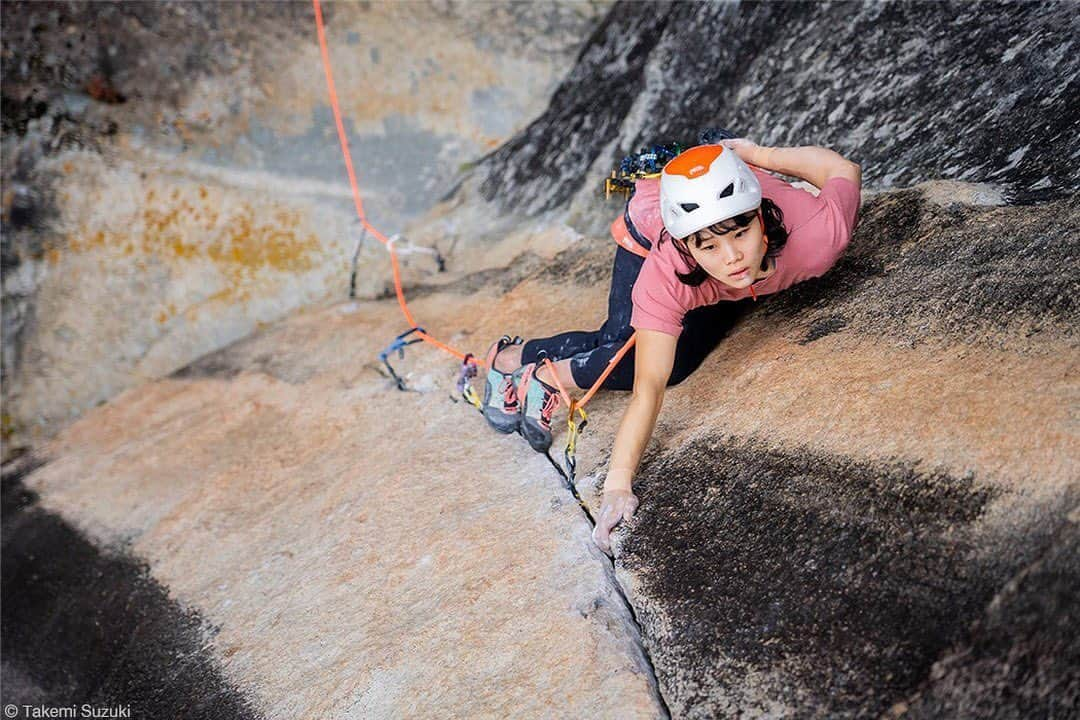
<point>739,274</point>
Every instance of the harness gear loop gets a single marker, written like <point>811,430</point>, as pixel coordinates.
<point>399,344</point>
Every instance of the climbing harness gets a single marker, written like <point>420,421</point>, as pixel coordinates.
<point>626,236</point>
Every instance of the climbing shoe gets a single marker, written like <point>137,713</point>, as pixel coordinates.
<point>538,403</point>
<point>501,406</point>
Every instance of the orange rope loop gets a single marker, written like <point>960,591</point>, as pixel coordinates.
<point>389,243</point>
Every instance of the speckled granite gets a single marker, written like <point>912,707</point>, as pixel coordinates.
<point>911,91</point>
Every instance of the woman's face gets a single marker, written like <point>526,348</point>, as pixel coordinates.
<point>733,257</point>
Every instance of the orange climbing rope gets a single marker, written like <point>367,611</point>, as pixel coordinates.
<point>358,202</point>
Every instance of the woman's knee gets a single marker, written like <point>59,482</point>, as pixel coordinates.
<point>678,375</point>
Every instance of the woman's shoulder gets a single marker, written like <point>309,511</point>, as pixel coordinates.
<point>820,231</point>
<point>799,203</point>
<point>644,209</point>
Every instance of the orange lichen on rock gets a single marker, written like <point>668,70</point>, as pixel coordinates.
<point>244,242</point>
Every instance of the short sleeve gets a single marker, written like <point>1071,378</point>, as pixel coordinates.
<point>816,246</point>
<point>842,197</point>
<point>655,308</point>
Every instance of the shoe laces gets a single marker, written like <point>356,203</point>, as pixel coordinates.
<point>509,393</point>
<point>551,402</point>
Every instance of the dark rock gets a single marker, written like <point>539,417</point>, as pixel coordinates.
<point>911,91</point>
<point>824,583</point>
<point>1022,658</point>
<point>83,624</point>
<point>542,166</point>
<point>916,271</point>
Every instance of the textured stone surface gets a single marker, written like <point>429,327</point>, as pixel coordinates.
<point>863,504</point>
<point>849,539</point>
<point>988,275</point>
<point>358,552</point>
<point>912,91</point>
<point>1021,659</point>
<point>173,179</point>
<point>82,625</point>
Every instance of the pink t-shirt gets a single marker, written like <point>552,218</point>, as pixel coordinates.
<point>819,228</point>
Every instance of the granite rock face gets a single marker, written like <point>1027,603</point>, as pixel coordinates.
<point>173,179</point>
<point>979,92</point>
<point>863,504</point>
<point>313,543</point>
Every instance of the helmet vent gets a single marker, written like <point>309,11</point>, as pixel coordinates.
<point>727,192</point>
<point>689,207</point>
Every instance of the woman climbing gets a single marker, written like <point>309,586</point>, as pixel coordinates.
<point>714,231</point>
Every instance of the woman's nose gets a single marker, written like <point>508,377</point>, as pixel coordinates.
<point>731,254</point>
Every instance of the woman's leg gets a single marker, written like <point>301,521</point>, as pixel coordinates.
<point>570,348</point>
<point>511,358</point>
<point>703,329</point>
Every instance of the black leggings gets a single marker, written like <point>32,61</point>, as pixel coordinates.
<point>589,352</point>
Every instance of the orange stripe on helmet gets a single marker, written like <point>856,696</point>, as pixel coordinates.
<point>694,162</point>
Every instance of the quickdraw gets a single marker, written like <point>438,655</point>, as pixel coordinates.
<point>573,426</point>
<point>399,344</point>
<point>573,429</point>
<point>464,382</point>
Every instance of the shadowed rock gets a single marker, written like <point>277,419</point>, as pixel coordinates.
<point>824,584</point>
<point>1022,658</point>
<point>87,625</point>
<point>916,271</point>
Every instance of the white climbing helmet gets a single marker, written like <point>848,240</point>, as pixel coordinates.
<point>704,185</point>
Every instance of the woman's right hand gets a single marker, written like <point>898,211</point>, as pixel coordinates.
<point>616,505</point>
<point>747,150</point>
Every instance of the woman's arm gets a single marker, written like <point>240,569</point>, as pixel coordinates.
<point>653,359</point>
<point>816,165</point>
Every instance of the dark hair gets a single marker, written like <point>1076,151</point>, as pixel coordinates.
<point>774,229</point>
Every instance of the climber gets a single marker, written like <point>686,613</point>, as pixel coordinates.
<point>711,230</point>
